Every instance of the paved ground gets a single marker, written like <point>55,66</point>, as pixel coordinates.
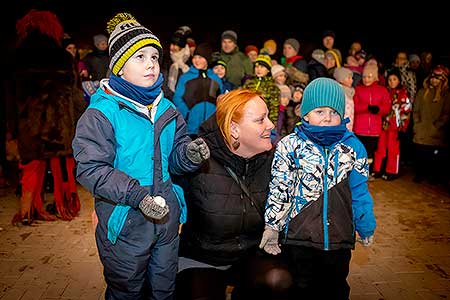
<point>409,260</point>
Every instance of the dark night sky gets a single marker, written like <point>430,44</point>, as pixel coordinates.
<point>379,32</point>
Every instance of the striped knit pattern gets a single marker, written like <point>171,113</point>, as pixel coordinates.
<point>323,92</point>
<point>128,37</point>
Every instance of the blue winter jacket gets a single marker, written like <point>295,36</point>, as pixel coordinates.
<point>122,155</point>
<point>195,96</point>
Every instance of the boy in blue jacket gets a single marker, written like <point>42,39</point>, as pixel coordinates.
<point>319,196</point>
<point>126,143</point>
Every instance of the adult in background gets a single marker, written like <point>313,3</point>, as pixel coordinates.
<point>47,101</point>
<point>225,200</point>
<point>97,61</point>
<point>238,64</point>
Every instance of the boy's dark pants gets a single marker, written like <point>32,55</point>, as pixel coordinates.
<point>318,274</point>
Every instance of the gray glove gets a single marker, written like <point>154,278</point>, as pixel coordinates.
<point>197,151</point>
<point>269,241</point>
<point>154,207</point>
<point>367,241</point>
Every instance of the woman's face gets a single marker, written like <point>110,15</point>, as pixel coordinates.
<point>253,130</point>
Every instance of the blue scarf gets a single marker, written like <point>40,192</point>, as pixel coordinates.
<point>143,95</point>
<point>324,135</point>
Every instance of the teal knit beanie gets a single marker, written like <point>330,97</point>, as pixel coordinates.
<point>323,92</point>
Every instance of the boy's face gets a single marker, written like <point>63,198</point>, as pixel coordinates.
<point>261,71</point>
<point>220,71</point>
<point>142,68</point>
<point>200,62</point>
<point>323,116</point>
<point>102,46</point>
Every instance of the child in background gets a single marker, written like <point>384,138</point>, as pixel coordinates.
<point>219,67</point>
<point>344,76</point>
<point>396,121</point>
<point>318,196</point>
<point>252,52</point>
<point>293,108</point>
<point>280,76</point>
<point>263,82</point>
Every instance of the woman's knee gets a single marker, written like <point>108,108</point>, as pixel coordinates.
<point>278,279</point>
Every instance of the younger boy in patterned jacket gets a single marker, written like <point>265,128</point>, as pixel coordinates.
<point>319,196</point>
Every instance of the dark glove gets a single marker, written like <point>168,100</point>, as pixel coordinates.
<point>197,151</point>
<point>373,109</point>
<point>154,207</point>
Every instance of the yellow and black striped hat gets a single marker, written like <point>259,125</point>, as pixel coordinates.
<point>126,37</point>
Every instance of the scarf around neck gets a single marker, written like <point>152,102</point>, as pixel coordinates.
<point>324,135</point>
<point>142,95</point>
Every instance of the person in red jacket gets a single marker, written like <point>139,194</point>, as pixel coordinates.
<point>372,102</point>
<point>397,120</point>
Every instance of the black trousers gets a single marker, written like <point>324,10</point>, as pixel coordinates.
<point>318,274</point>
<point>259,276</point>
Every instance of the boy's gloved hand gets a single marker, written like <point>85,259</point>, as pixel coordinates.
<point>373,109</point>
<point>367,241</point>
<point>197,151</point>
<point>154,207</point>
<point>269,241</point>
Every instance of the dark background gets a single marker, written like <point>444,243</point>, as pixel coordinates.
<point>382,28</point>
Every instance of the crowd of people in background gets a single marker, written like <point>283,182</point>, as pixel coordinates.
<point>247,108</point>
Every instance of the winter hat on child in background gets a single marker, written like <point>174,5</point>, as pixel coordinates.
<point>329,33</point>
<point>230,35</point>
<point>205,51</point>
<point>285,91</point>
<point>320,92</point>
<point>413,57</point>
<point>277,70</point>
<point>178,39</point>
<point>371,69</point>
<point>99,38</point>
<point>440,72</point>
<point>270,46</point>
<point>294,43</point>
<point>251,48</point>
<point>126,37</point>
<point>300,87</point>
<point>264,60</point>
<point>216,60</point>
<point>180,36</point>
<point>341,73</point>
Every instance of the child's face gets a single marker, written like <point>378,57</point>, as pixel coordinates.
<point>393,81</point>
<point>280,78</point>
<point>253,55</point>
<point>297,96</point>
<point>142,69</point>
<point>220,71</point>
<point>200,62</point>
<point>323,116</point>
<point>347,81</point>
<point>102,46</point>
<point>261,71</point>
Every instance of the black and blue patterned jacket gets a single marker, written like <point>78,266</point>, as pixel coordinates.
<point>319,196</point>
